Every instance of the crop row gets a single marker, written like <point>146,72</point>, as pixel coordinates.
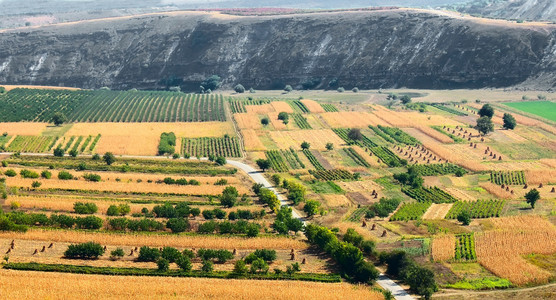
<point>410,211</point>
<point>434,195</point>
<point>399,135</point>
<point>477,209</point>
<point>32,144</point>
<point>437,169</point>
<point>387,156</point>
<point>110,106</point>
<point>277,162</point>
<point>298,106</point>
<point>203,147</point>
<point>330,175</point>
<point>465,247</point>
<point>313,159</point>
<point>508,177</point>
<point>293,159</point>
<point>456,139</point>
<point>356,157</point>
<point>449,109</point>
<point>343,134</point>
<point>381,133</point>
<point>77,143</point>
<point>328,107</point>
<point>301,121</point>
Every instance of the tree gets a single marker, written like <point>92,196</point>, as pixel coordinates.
<point>263,164</point>
<point>405,99</point>
<point>284,117</point>
<point>36,184</point>
<point>532,196</point>
<point>59,118</point>
<point>184,262</point>
<point>207,266</point>
<point>259,266</point>
<point>484,125</point>
<point>177,224</point>
<point>211,83</point>
<point>486,111</point>
<point>2,90</point>
<point>329,146</point>
<point>229,196</point>
<point>355,134</point>
<point>464,217</point>
<point>509,121</point>
<point>117,254</point>
<point>220,160</point>
<point>311,207</point>
<point>88,250</point>
<point>240,268</point>
<point>109,158</point>
<point>73,152</point>
<point>341,90</point>
<point>288,88</point>
<point>305,145</point>
<point>355,90</point>
<point>163,264</point>
<point>239,89</point>
<point>59,152</point>
<point>265,121</point>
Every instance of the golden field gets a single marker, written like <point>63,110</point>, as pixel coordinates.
<point>247,121</point>
<point>22,128</point>
<point>37,285</point>
<point>251,140</point>
<point>443,247</point>
<point>294,138</point>
<point>351,119</point>
<point>313,106</point>
<point>281,106</point>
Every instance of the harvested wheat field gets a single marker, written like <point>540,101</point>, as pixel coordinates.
<point>313,106</point>
<point>541,176</point>
<point>332,200</point>
<point>433,133</point>
<point>530,223</point>
<point>294,138</point>
<point>437,211</point>
<point>42,87</point>
<point>247,121</point>
<point>127,145</point>
<point>351,119</point>
<point>65,204</point>
<point>496,190</point>
<point>281,106</point>
<point>259,109</point>
<point>252,141</point>
<point>114,186</point>
<point>22,128</point>
<point>443,247</point>
<point>277,124</point>
<point>181,129</point>
<point>38,285</point>
<point>157,240</point>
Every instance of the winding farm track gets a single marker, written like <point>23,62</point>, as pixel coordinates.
<point>397,291</point>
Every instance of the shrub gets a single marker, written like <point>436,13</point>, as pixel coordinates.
<point>92,177</point>
<point>220,255</point>
<point>167,143</point>
<point>184,262</point>
<point>240,268</point>
<point>148,254</point>
<point>65,175</point>
<point>59,152</point>
<point>239,89</point>
<point>85,208</point>
<point>163,264</point>
<point>464,217</point>
<point>73,152</point>
<point>259,266</point>
<point>46,174</point>
<point>265,254</point>
<point>341,90</point>
<point>177,225</point>
<point>10,173</point>
<point>28,174</point>
<point>207,227</point>
<point>288,88</point>
<point>170,253</point>
<point>36,184</point>
<point>113,210</point>
<point>116,254</point>
<point>355,90</point>
<point>109,158</point>
<point>89,222</point>
<point>207,266</point>
<point>88,250</point>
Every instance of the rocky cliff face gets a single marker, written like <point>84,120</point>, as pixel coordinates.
<point>533,10</point>
<point>400,48</point>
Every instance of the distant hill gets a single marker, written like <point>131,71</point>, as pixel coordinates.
<point>531,10</point>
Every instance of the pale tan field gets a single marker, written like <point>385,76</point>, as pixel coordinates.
<point>371,160</point>
<point>437,211</point>
<point>22,128</point>
<point>364,186</point>
<point>252,141</point>
<point>259,109</point>
<point>411,118</point>
<point>247,121</point>
<point>277,124</point>
<point>443,247</point>
<point>351,119</point>
<point>54,203</point>
<point>38,285</point>
<point>294,138</point>
<point>114,186</point>
<point>183,129</point>
<point>434,134</point>
<point>313,106</point>
<point>11,87</point>
<point>281,106</point>
<point>526,222</point>
<point>497,191</point>
<point>541,176</point>
<point>157,240</point>
<point>332,200</point>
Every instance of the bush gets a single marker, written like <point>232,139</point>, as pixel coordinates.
<point>73,152</point>
<point>259,266</point>
<point>85,208</point>
<point>464,217</point>
<point>220,255</point>
<point>88,250</point>
<point>46,174</point>
<point>239,89</point>
<point>288,88</point>
<point>170,253</point>
<point>89,222</point>
<point>355,90</point>
<point>341,90</point>
<point>265,254</point>
<point>240,268</point>
<point>163,264</point>
<point>59,152</point>
<point>184,262</point>
<point>28,174</point>
<point>207,227</point>
<point>148,254</point>
<point>118,253</point>
<point>65,175</point>
<point>207,266</point>
<point>92,177</point>
<point>10,173</point>
<point>167,143</point>
<point>177,225</point>
<point>109,158</point>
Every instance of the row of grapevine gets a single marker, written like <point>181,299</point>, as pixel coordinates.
<point>53,143</point>
<point>86,143</point>
<point>69,143</point>
<point>381,133</point>
<point>31,144</point>
<point>237,106</point>
<point>410,211</point>
<point>277,162</point>
<point>77,143</point>
<point>4,139</point>
<point>387,156</point>
<point>313,159</point>
<point>477,209</point>
<point>293,159</point>
<point>446,108</point>
<point>301,121</point>
<point>203,147</point>
<point>110,106</point>
<point>343,134</point>
<point>356,157</point>
<point>456,139</point>
<point>508,177</point>
<point>434,195</point>
<point>465,247</point>
<point>328,107</point>
<point>298,106</point>
<point>94,143</point>
<point>399,135</point>
<point>437,169</point>
<point>330,175</point>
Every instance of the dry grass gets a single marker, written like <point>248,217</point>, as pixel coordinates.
<point>66,204</point>
<point>364,186</point>
<point>526,222</point>
<point>443,247</point>
<point>38,285</point>
<point>157,240</point>
<point>185,129</point>
<point>294,138</point>
<point>437,211</point>
<point>435,134</point>
<point>114,186</point>
<point>281,106</point>
<point>548,162</point>
<point>259,109</point>
<point>11,87</point>
<point>277,124</point>
<point>247,121</point>
<point>351,119</point>
<point>540,176</point>
<point>336,200</point>
<point>127,145</point>
<point>496,190</point>
<point>22,128</point>
<point>313,106</point>
<point>371,160</point>
<point>252,141</point>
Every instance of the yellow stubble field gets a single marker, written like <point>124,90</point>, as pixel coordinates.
<point>317,138</point>
<point>22,128</point>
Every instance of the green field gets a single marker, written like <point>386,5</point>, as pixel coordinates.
<point>545,109</point>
